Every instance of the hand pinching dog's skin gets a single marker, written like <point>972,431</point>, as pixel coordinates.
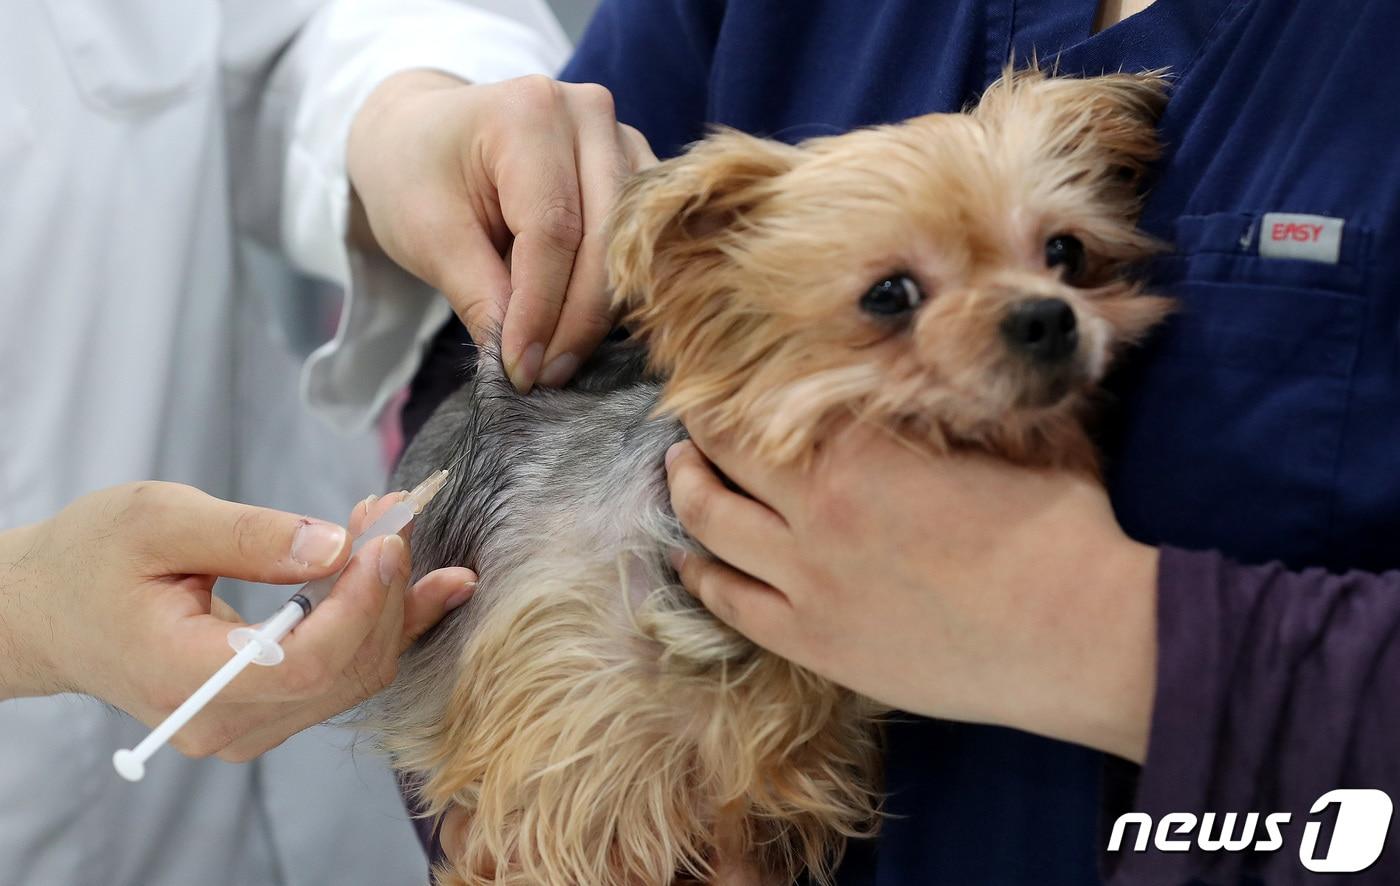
<point>960,279</point>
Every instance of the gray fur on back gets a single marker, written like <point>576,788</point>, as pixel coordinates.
<point>531,476</point>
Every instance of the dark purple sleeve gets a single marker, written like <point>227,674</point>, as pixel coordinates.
<point>1273,688</point>
<point>425,827</point>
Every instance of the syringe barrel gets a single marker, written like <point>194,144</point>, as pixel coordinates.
<point>314,592</point>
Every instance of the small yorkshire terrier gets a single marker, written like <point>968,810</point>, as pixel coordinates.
<point>960,279</point>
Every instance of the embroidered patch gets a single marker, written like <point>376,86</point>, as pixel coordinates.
<point>1307,237</point>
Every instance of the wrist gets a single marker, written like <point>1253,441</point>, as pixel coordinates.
<point>26,665</point>
<point>373,117</point>
<point>387,97</point>
<point>1088,673</point>
<point>393,88</point>
<point>1121,668</point>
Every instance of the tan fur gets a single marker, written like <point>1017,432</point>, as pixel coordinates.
<point>561,702</point>
<point>741,262</point>
<point>741,265</point>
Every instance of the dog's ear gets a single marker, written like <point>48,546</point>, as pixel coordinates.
<point>1108,121</point>
<point>673,224</point>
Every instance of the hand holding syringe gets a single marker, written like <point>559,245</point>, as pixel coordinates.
<point>262,643</point>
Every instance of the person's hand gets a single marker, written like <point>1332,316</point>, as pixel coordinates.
<point>452,176</point>
<point>962,587</point>
<point>113,598</point>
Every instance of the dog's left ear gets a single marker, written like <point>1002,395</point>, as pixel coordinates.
<point>674,226</point>
<point>1108,121</point>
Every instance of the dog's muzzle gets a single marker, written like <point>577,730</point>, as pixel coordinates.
<point>1043,333</point>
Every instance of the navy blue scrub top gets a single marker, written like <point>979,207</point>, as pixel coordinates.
<point>1264,421</point>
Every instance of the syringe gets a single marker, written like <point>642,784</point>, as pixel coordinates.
<point>262,644</point>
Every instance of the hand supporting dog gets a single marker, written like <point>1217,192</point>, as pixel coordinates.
<point>958,587</point>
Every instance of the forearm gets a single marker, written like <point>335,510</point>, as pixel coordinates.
<point>1273,687</point>
<point>24,663</point>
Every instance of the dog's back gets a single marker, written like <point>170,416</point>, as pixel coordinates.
<point>598,725</point>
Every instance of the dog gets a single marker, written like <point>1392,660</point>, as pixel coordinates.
<point>962,280</point>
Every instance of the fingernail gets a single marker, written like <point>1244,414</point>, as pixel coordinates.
<point>390,558</point>
<point>673,451</point>
<point>462,596</point>
<point>559,370</point>
<point>368,503</point>
<point>526,367</point>
<point>316,543</point>
<point>677,558</point>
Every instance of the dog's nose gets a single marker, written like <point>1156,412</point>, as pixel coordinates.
<point>1042,329</point>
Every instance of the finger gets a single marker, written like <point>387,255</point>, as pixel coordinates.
<point>319,649</point>
<point>191,532</point>
<point>587,315</point>
<point>452,831</point>
<point>377,656</point>
<point>737,529</point>
<point>432,597</point>
<point>368,599</point>
<point>422,606</point>
<point>638,150</point>
<point>224,611</point>
<point>369,511</point>
<point>754,609</point>
<point>375,664</point>
<point>772,484</point>
<point>372,668</point>
<point>541,203</point>
<point>279,721</point>
<point>360,515</point>
<point>372,508</point>
<point>275,722</point>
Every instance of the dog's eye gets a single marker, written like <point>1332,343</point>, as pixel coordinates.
<point>1065,250</point>
<point>892,296</point>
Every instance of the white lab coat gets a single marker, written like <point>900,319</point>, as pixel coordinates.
<point>157,158</point>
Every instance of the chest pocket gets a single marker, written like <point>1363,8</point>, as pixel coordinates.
<point>137,56</point>
<point>1234,415</point>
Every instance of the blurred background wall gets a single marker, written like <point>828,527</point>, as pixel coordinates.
<point>573,15</point>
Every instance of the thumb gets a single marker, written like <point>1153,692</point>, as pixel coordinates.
<point>436,594</point>
<point>192,532</point>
